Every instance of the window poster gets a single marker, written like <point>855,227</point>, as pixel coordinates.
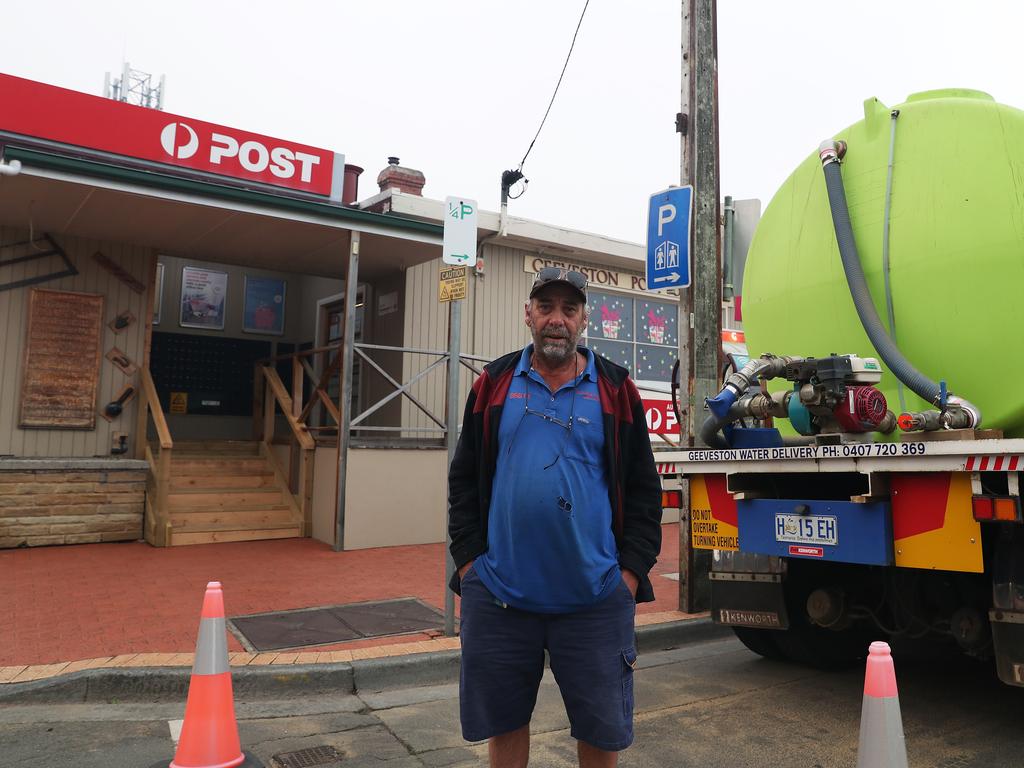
<point>203,295</point>
<point>611,317</point>
<point>641,334</point>
<point>657,323</point>
<point>263,308</point>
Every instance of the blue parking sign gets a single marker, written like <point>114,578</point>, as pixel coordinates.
<point>668,238</point>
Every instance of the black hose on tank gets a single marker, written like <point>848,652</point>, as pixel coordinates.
<point>916,381</point>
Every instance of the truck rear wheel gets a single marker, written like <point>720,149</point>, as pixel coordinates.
<point>825,648</point>
<point>806,642</point>
<point>760,641</point>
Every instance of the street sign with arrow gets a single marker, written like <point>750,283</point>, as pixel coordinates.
<point>668,238</point>
<point>459,247</point>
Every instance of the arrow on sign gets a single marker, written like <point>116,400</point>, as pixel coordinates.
<point>670,276</point>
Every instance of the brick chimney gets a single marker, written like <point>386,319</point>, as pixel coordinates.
<point>407,180</point>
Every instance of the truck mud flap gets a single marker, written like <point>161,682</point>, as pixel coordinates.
<point>739,601</point>
<point>1008,642</point>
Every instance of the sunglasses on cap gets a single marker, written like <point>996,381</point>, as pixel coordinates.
<point>550,275</point>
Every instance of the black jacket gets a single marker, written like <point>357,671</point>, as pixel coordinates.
<point>634,487</point>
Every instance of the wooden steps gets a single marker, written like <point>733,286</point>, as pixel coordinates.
<point>223,498</point>
<point>194,465</point>
<point>251,479</point>
<point>222,533</point>
<point>220,491</point>
<point>193,520</point>
<point>217,447</point>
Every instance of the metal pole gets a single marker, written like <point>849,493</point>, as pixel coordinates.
<point>728,227</point>
<point>452,437</point>
<point>345,397</point>
<point>684,125</point>
<point>707,266</point>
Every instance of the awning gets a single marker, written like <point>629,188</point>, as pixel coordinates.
<point>58,193</point>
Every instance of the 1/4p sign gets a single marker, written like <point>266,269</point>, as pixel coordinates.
<point>459,231</point>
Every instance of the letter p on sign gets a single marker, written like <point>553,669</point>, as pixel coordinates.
<point>666,214</point>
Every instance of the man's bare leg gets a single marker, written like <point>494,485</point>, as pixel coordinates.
<point>510,750</point>
<point>592,757</point>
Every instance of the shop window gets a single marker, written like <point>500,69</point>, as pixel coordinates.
<point>641,334</point>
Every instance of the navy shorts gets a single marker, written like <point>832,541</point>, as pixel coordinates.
<point>592,658</point>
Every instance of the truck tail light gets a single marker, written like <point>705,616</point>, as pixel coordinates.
<point>671,499</point>
<point>983,508</point>
<point>1007,509</point>
<point>1003,508</point>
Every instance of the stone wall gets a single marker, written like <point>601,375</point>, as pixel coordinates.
<point>70,504</point>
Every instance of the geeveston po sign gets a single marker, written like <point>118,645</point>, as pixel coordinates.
<point>81,120</point>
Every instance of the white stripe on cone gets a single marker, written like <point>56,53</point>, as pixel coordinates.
<point>175,728</point>
<point>881,734</point>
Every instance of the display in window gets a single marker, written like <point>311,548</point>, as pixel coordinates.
<point>657,323</point>
<point>616,351</point>
<point>264,305</point>
<point>203,292</point>
<point>654,363</point>
<point>611,317</point>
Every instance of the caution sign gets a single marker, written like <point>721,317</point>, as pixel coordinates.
<point>453,284</point>
<point>179,402</point>
<point>713,518</point>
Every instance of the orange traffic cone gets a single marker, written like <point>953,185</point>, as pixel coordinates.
<point>209,735</point>
<point>881,726</point>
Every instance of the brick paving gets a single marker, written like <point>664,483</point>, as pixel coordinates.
<point>68,608</point>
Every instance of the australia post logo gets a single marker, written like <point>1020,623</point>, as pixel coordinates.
<point>81,120</point>
<point>242,155</point>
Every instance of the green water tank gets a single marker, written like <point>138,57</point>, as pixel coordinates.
<point>956,250</point>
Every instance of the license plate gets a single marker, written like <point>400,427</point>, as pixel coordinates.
<point>807,529</point>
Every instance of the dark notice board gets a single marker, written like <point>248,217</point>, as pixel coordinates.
<point>216,372</point>
<point>62,360</point>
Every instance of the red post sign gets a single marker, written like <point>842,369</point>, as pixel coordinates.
<point>78,119</point>
<point>661,418</point>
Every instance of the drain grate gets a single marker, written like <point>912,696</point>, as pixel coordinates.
<point>321,626</point>
<point>305,758</point>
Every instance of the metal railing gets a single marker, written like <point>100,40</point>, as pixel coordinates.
<point>303,370</point>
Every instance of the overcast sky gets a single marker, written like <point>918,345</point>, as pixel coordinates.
<point>457,89</point>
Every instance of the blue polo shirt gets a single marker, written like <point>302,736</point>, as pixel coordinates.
<point>551,548</point>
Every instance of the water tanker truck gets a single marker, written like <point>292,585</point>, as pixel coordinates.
<point>859,478</point>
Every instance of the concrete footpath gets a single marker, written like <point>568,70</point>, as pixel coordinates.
<point>397,727</point>
<point>710,704</point>
<point>408,666</point>
<point>118,612</point>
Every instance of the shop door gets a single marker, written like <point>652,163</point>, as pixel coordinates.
<point>332,315</point>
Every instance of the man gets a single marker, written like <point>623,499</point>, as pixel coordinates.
<point>555,522</point>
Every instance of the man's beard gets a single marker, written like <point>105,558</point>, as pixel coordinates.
<point>555,348</point>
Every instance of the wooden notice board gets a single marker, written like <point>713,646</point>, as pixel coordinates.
<point>62,360</point>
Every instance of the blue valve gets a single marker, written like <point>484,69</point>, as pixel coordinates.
<point>721,403</point>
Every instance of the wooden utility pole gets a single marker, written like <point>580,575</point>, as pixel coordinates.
<point>700,345</point>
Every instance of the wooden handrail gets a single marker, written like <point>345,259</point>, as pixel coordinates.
<point>300,354</point>
<point>276,387</point>
<point>324,378</point>
<point>153,403</point>
<point>330,405</point>
<point>304,353</point>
